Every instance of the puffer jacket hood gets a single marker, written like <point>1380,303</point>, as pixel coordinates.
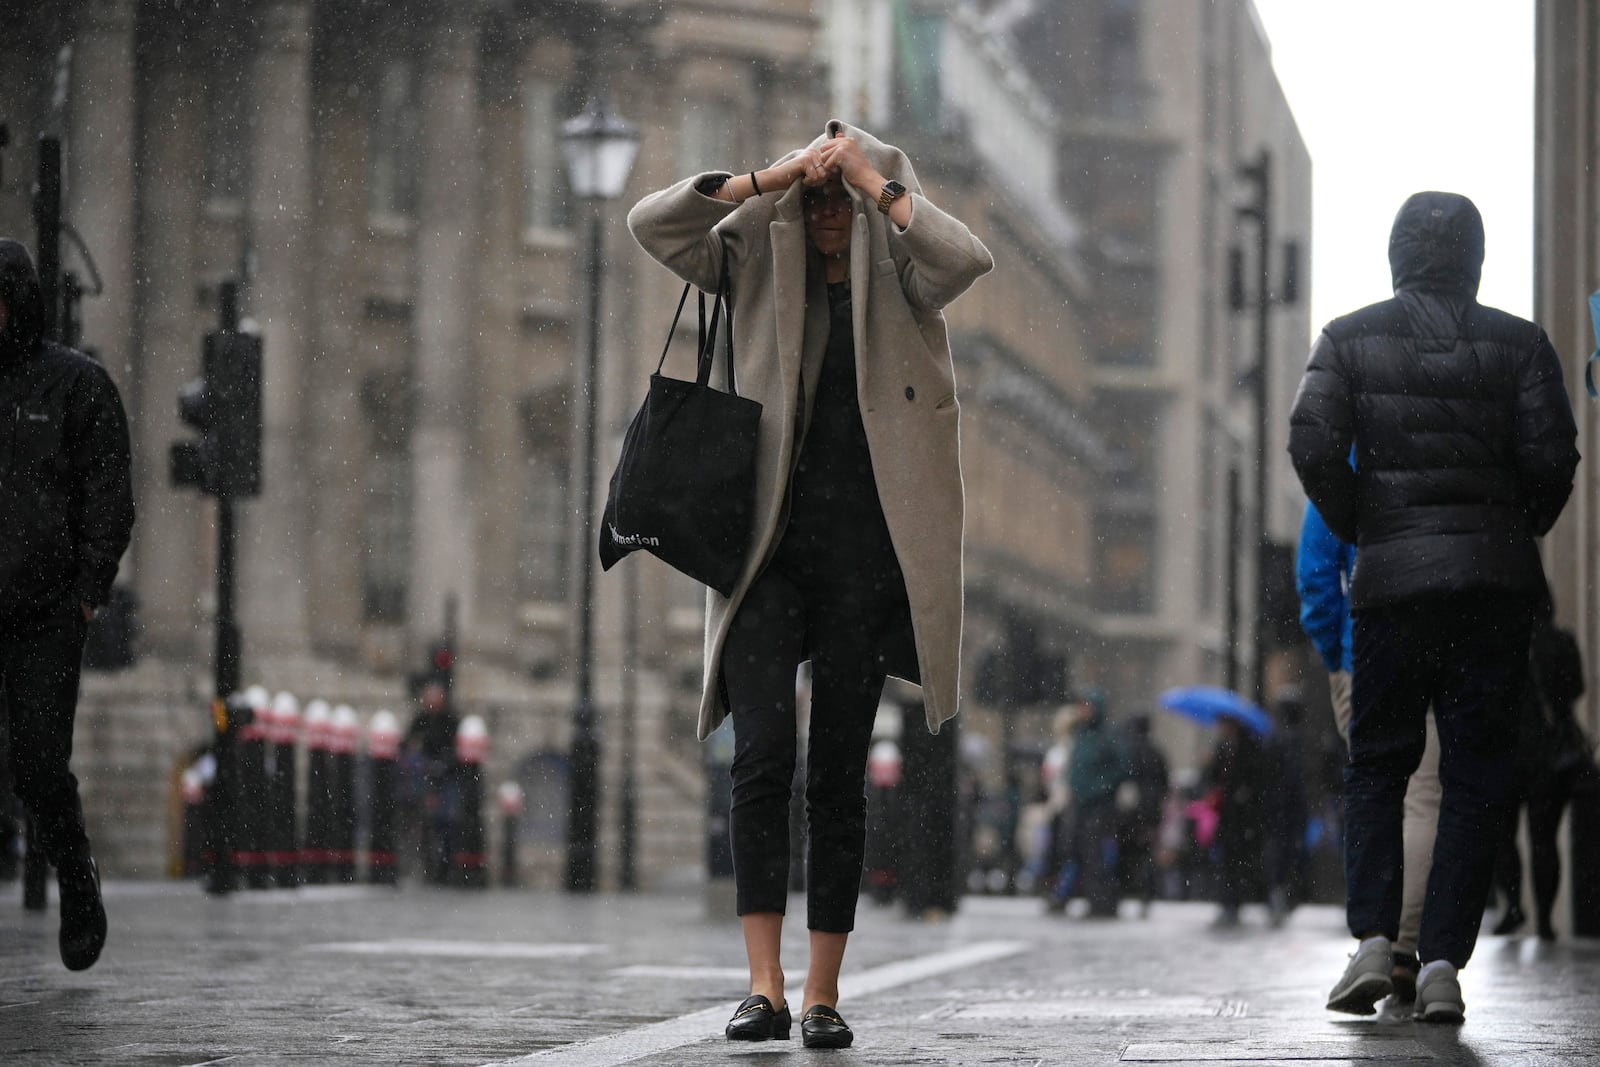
<point>19,288</point>
<point>1436,245</point>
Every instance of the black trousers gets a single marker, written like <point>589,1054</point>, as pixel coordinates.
<point>1468,658</point>
<point>830,604</point>
<point>39,663</point>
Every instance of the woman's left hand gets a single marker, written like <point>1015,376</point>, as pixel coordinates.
<point>844,155</point>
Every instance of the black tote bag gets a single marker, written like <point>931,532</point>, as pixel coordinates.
<point>684,487</point>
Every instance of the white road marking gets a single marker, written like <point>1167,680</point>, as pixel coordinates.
<point>707,1025</point>
<point>1329,1048</point>
<point>467,950</point>
<point>716,974</point>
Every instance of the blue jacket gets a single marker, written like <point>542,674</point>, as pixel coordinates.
<point>1322,566</point>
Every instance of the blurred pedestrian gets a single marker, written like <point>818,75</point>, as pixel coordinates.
<point>1464,455</point>
<point>1142,811</point>
<point>1287,810</point>
<point>1056,874</point>
<point>430,754</point>
<point>1553,753</point>
<point>1323,564</point>
<point>1096,769</point>
<point>1238,777</point>
<point>66,515</point>
<point>838,268</point>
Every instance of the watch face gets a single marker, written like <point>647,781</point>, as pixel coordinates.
<point>893,188</point>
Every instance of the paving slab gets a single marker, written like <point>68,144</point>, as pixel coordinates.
<point>357,975</point>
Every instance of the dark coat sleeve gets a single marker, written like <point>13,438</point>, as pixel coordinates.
<point>1546,450</point>
<point>97,444</point>
<point>1321,428</point>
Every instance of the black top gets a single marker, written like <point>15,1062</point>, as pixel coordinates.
<point>833,491</point>
<point>836,520</point>
<point>66,496</point>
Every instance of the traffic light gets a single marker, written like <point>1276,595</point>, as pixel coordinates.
<point>224,405</point>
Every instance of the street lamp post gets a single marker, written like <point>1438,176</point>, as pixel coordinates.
<point>1258,173</point>
<point>598,149</point>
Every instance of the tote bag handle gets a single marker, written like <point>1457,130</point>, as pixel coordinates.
<point>706,343</point>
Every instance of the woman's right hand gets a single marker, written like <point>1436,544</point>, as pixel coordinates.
<point>807,168</point>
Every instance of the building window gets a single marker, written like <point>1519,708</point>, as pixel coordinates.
<point>546,204</point>
<point>1125,545</point>
<point>386,500</point>
<point>706,128</point>
<point>392,173</point>
<point>544,532</point>
<point>227,135</point>
<point>918,41</point>
<point>386,493</point>
<point>1209,515</point>
<point>1122,91</point>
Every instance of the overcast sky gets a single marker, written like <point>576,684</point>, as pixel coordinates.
<point>1394,96</point>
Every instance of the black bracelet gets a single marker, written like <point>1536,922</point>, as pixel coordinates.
<point>754,184</point>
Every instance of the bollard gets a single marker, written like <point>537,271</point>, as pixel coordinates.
<point>511,804</point>
<point>343,733</point>
<point>192,787</point>
<point>229,718</point>
<point>251,802</point>
<point>930,883</point>
<point>315,853</point>
<point>383,749</point>
<point>719,891</point>
<point>469,859</point>
<point>881,870</point>
<point>283,857</point>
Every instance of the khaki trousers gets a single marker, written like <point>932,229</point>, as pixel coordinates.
<point>1422,816</point>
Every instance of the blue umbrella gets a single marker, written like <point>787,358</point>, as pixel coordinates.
<point>1205,704</point>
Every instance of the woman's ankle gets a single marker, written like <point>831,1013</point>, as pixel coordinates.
<point>826,996</point>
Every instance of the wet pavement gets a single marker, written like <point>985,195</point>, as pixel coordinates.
<point>353,975</point>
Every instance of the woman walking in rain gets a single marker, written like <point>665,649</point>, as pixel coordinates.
<point>838,269</point>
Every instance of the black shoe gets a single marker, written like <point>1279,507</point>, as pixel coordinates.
<point>1510,922</point>
<point>83,916</point>
<point>822,1027</point>
<point>757,1021</point>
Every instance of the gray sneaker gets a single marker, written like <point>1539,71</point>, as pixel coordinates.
<point>1366,980</point>
<point>1439,995</point>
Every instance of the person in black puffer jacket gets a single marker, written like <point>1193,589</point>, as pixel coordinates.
<point>1464,456</point>
<point>66,514</point>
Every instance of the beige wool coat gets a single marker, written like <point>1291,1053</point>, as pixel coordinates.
<point>899,281</point>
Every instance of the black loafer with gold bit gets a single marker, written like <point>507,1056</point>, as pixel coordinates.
<point>757,1020</point>
<point>822,1027</point>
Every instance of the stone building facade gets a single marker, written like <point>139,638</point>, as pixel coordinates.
<point>1156,105</point>
<point>384,182</point>
<point>1566,271</point>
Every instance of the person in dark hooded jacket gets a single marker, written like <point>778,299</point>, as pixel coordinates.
<point>66,513</point>
<point>1464,456</point>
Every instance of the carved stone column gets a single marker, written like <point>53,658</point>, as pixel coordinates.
<point>445,259</point>
<point>274,528</point>
<point>99,201</point>
<point>167,542</point>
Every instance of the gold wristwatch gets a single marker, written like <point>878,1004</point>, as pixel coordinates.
<point>892,191</point>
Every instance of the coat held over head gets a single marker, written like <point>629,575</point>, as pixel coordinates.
<point>899,281</point>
